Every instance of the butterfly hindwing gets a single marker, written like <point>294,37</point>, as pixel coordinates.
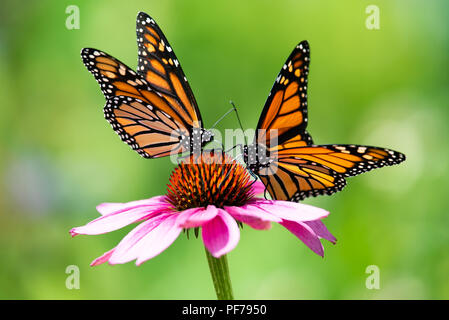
<point>294,179</point>
<point>148,130</point>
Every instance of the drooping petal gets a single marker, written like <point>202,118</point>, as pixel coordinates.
<point>158,240</point>
<point>147,240</point>
<point>306,235</point>
<point>320,230</point>
<point>221,234</point>
<point>115,207</point>
<point>288,210</point>
<point>192,218</point>
<point>102,259</point>
<point>125,250</point>
<point>258,187</point>
<point>253,216</point>
<point>114,221</point>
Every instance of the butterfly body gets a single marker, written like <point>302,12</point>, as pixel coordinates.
<point>152,109</point>
<point>283,153</point>
<point>257,157</point>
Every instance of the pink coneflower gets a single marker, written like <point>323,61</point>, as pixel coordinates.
<point>214,195</point>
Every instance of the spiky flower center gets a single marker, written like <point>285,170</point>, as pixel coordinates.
<point>210,179</point>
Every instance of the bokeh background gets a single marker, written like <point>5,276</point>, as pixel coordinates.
<point>59,158</point>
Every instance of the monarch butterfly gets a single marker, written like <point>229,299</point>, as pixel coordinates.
<point>283,154</point>
<point>153,110</point>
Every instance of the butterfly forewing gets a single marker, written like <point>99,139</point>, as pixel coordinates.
<point>113,76</point>
<point>160,67</point>
<point>285,112</point>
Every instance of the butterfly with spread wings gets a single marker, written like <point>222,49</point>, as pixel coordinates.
<point>283,154</point>
<point>153,110</point>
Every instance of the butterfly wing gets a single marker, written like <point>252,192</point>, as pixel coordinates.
<point>159,66</point>
<point>133,108</point>
<point>294,179</point>
<point>285,112</point>
<point>149,131</point>
<point>300,169</point>
<point>346,160</point>
<point>315,170</point>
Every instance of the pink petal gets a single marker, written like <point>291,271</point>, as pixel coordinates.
<point>221,234</point>
<point>320,230</point>
<point>293,211</point>
<point>147,240</point>
<point>158,240</point>
<point>123,252</point>
<point>102,259</point>
<point>196,217</point>
<point>110,207</point>
<point>258,187</point>
<point>114,221</point>
<point>306,235</point>
<point>253,216</point>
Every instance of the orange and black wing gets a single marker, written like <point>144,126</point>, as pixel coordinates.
<point>346,160</point>
<point>315,170</point>
<point>159,66</point>
<point>148,130</point>
<point>141,116</point>
<point>285,112</point>
<point>293,179</point>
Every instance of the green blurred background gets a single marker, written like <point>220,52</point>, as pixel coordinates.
<point>60,158</point>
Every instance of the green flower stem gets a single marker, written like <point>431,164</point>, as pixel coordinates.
<point>220,276</point>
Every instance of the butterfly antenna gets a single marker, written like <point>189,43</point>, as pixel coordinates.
<point>238,118</point>
<point>222,117</point>
<point>219,142</point>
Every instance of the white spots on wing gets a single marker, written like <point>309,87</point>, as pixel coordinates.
<point>361,149</point>
<point>122,70</point>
